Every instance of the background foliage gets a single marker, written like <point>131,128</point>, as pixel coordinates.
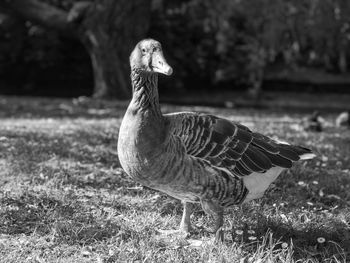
<point>222,43</point>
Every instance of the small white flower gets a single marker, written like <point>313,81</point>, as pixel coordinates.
<point>315,182</point>
<point>321,240</point>
<point>252,238</point>
<point>284,245</point>
<point>321,193</point>
<point>239,232</point>
<point>301,183</point>
<point>310,204</point>
<point>324,158</point>
<point>284,218</point>
<point>251,232</point>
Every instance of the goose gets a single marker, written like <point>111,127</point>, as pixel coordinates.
<point>314,122</point>
<point>194,157</point>
<point>343,119</point>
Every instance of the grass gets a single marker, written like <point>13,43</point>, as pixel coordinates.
<point>64,197</point>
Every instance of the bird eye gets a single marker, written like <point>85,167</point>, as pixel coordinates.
<point>143,50</point>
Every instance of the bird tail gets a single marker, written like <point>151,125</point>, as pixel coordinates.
<point>307,156</point>
<point>304,153</point>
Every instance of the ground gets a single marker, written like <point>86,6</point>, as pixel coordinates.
<point>64,197</point>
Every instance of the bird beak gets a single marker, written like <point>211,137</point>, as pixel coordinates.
<point>160,65</point>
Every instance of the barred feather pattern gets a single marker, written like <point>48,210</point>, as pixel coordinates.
<point>192,179</point>
<point>231,148</point>
<point>145,91</point>
<point>231,145</point>
<point>192,156</point>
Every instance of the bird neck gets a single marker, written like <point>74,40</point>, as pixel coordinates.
<point>145,91</point>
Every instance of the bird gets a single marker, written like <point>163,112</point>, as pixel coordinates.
<point>192,156</point>
<point>343,119</point>
<point>314,122</point>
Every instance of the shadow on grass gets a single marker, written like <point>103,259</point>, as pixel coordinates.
<point>70,223</point>
<point>36,147</point>
<point>79,159</point>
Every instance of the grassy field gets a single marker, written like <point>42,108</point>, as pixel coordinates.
<point>64,197</point>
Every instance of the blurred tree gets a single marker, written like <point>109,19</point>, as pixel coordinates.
<point>11,39</point>
<point>108,29</point>
<point>224,40</point>
<point>235,42</point>
<point>212,44</point>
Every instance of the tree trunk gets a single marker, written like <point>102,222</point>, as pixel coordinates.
<point>111,77</point>
<point>342,61</point>
<point>109,29</point>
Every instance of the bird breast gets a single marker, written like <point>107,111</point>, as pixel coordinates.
<point>140,146</point>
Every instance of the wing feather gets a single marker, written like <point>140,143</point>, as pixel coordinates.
<point>289,154</point>
<point>242,171</point>
<point>231,145</point>
<point>252,164</point>
<point>278,160</point>
<point>233,154</point>
<point>265,145</point>
<point>259,157</point>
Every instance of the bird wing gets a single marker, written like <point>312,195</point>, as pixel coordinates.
<point>231,145</point>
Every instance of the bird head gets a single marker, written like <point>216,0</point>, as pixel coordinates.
<point>148,56</point>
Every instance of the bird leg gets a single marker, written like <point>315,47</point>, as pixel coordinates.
<point>217,212</point>
<point>185,225</point>
<point>219,221</point>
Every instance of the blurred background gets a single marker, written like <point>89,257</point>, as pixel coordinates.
<point>220,50</point>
